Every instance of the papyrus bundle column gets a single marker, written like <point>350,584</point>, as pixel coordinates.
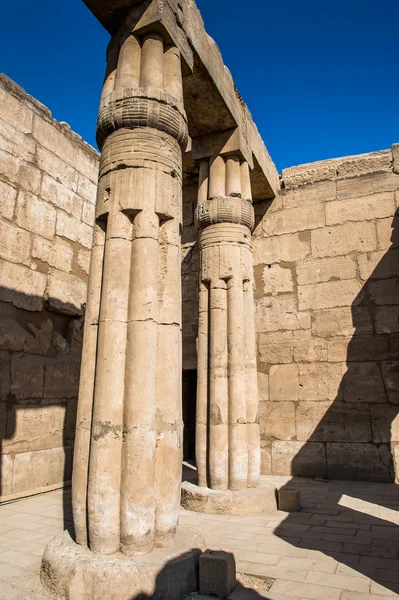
<point>227,435</point>
<point>128,449</point>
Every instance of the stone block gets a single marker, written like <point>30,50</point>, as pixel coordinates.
<point>27,376</point>
<point>390,374</point>
<point>217,573</point>
<point>87,188</point>
<point>283,383</point>
<point>283,248</point>
<point>61,196</point>
<point>330,294</point>
<point>299,459</point>
<point>74,230</point>
<point>361,164</point>
<point>280,313</point>
<point>16,143</point>
<point>57,168</point>
<point>19,172</point>
<point>21,286</point>
<point>276,347</point>
<point>379,265</point>
<point>277,420</point>
<point>8,195</point>
<point>325,270</point>
<point>319,381</point>
<point>277,280</point>
<point>384,292</point>
<point>366,462</point>
<point>362,382</point>
<point>386,233</point>
<point>41,468</point>
<point>265,457</point>
<point>395,156</point>
<point>358,349</point>
<point>309,173</point>
<point>15,243</point>
<point>84,260</point>
<point>5,375</point>
<point>387,319</point>
<point>366,208</point>
<point>52,136</point>
<point>57,253</point>
<point>333,422</point>
<point>39,428</point>
<point>343,239</point>
<point>15,112</point>
<point>365,185</point>
<point>88,213</point>
<point>13,337</point>
<point>289,499</point>
<point>35,215</point>
<point>292,220</point>
<point>61,379</point>
<point>66,293</point>
<point>321,191</point>
<point>345,321</point>
<point>384,423</point>
<point>308,348</point>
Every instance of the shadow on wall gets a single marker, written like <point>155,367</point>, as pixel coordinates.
<point>39,375</point>
<point>358,438</point>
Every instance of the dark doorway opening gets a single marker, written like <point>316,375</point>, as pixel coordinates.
<point>189,408</point>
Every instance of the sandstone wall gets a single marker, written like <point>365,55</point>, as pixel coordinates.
<point>47,193</point>
<point>326,256</point>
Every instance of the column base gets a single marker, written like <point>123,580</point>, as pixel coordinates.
<point>73,572</point>
<point>250,502</point>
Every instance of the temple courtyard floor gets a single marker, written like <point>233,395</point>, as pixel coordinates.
<point>342,545</point>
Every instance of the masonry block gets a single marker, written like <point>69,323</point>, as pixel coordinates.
<point>217,573</point>
<point>289,499</point>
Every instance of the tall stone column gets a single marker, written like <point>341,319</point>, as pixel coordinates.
<point>128,450</point>
<point>227,424</point>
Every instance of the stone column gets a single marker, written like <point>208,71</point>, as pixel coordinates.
<point>128,449</point>
<point>227,428</point>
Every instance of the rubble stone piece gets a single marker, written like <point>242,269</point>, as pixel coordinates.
<point>289,499</point>
<point>217,573</point>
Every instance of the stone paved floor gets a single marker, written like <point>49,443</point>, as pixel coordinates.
<point>342,545</point>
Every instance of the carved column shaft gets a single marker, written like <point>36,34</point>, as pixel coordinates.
<point>128,449</point>
<point>228,439</point>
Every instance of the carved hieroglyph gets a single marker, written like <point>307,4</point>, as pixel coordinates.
<point>128,450</point>
<point>227,436</point>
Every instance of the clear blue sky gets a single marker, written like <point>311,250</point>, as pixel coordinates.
<point>321,79</point>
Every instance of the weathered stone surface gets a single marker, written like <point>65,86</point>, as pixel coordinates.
<point>325,270</point>
<point>289,499</point>
<point>330,294</point>
<point>292,220</point>
<point>283,383</point>
<point>217,573</point>
<point>276,347</point>
<point>319,381</point>
<point>84,260</point>
<point>384,423</point>
<point>308,348</point>
<point>370,183</point>
<point>61,196</point>
<point>8,196</point>
<point>247,502</point>
<point>379,265</point>
<point>369,462</point>
<point>74,230</point>
<point>15,244</point>
<point>395,156</point>
<point>384,292</point>
<point>61,379</point>
<point>365,208</point>
<point>322,191</point>
<point>27,376</point>
<point>66,293</point>
<point>38,428</point>
<point>263,387</point>
<point>362,382</point>
<point>385,233</point>
<point>35,215</point>
<point>345,321</point>
<point>280,313</point>
<point>72,572</point>
<point>57,253</point>
<point>299,458</point>
<point>277,280</point>
<point>343,239</point>
<point>359,348</point>
<point>390,373</point>
<point>287,248</point>
<point>34,340</point>
<point>5,375</point>
<point>333,422</point>
<point>277,420</point>
<point>21,286</point>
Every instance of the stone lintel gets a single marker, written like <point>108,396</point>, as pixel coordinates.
<point>226,143</point>
<point>211,100</point>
